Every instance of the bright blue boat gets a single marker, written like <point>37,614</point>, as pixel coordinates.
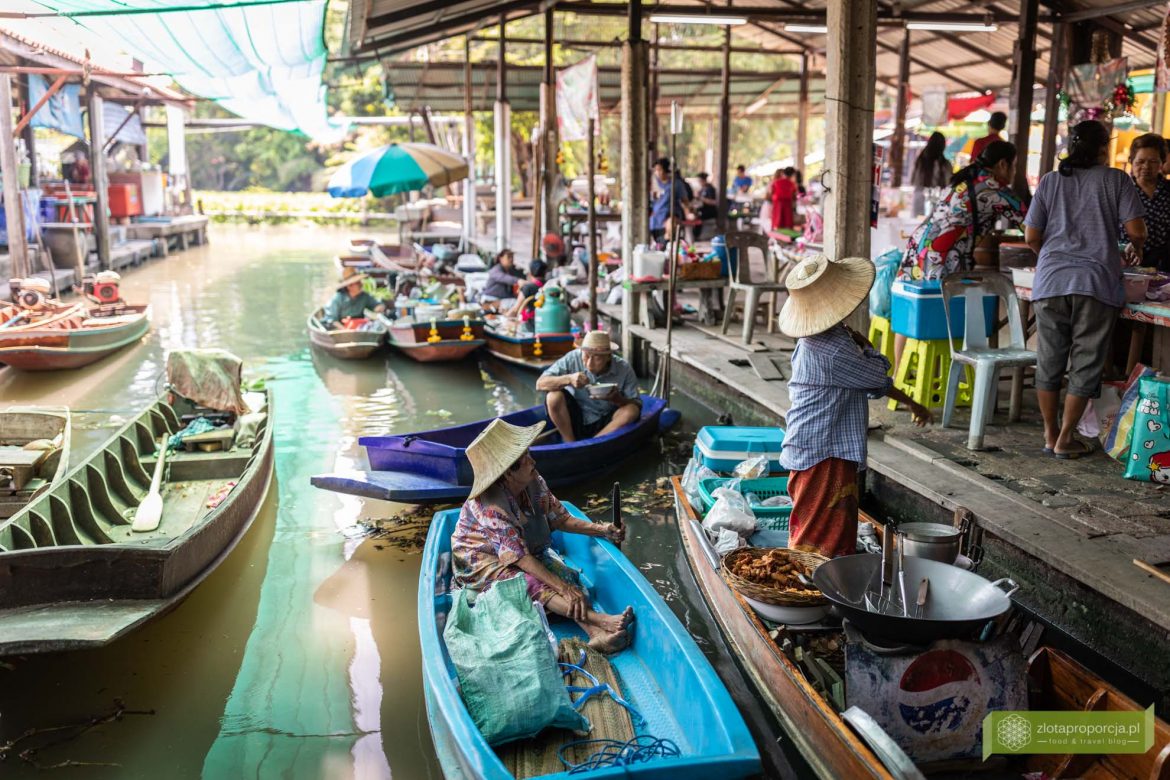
<point>663,674</point>
<point>432,466</point>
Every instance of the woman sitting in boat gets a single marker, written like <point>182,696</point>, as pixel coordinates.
<point>572,409</point>
<point>350,303</point>
<point>499,293</point>
<point>505,530</point>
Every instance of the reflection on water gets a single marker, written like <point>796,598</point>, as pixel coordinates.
<point>299,655</point>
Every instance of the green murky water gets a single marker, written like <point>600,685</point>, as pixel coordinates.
<point>299,656</point>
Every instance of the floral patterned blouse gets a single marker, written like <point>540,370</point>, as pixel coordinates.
<point>489,537</point>
<point>1157,224</point>
<point>945,242</point>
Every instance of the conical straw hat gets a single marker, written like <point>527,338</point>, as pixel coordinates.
<point>496,448</point>
<point>348,277</point>
<point>822,292</point>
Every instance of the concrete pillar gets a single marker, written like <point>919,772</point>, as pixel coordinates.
<point>634,171</point>
<point>898,148</point>
<point>850,77</point>
<point>503,144</point>
<point>468,150</point>
<point>724,131</point>
<point>13,208</point>
<point>101,181</point>
<point>177,150</point>
<point>550,139</point>
<point>1023,75</point>
<point>1057,65</point>
<point>802,116</point>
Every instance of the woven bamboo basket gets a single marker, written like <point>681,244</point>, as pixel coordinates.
<point>689,272</point>
<point>769,594</point>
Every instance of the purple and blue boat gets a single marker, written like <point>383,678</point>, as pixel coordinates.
<point>432,466</point>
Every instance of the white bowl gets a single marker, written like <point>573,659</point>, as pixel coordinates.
<point>601,390</point>
<point>795,616</point>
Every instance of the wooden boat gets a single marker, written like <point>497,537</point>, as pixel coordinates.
<point>73,574</point>
<point>432,466</point>
<point>522,350</point>
<point>345,344</point>
<point>28,471</point>
<point>394,258</point>
<point>829,744</point>
<point>663,674</point>
<point>455,339</point>
<point>74,336</point>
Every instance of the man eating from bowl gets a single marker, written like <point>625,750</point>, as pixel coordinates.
<point>590,391</point>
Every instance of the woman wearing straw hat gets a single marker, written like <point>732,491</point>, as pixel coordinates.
<point>350,301</point>
<point>835,371</point>
<point>505,530</point>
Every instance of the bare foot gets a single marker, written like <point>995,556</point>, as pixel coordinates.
<point>610,624</point>
<point>610,643</point>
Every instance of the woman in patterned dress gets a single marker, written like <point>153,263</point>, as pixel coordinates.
<point>1147,153</point>
<point>505,530</point>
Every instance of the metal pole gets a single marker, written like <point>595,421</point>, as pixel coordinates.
<point>592,168</point>
<point>724,131</point>
<point>802,116</point>
<point>13,208</point>
<point>672,265</point>
<point>468,151</point>
<point>898,149</point>
<point>548,124</point>
<point>503,131</point>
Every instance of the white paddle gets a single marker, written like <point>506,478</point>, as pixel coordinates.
<point>149,512</point>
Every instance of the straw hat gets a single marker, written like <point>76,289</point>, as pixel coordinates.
<point>822,292</point>
<point>348,277</point>
<point>496,448</point>
<point>597,341</point>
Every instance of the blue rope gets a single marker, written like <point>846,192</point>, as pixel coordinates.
<point>598,687</point>
<point>615,753</point>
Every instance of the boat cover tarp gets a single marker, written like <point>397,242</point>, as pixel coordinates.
<point>209,377</point>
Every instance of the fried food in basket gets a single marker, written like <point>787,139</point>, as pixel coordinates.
<point>773,569</point>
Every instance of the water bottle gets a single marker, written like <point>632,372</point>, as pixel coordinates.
<point>752,499</point>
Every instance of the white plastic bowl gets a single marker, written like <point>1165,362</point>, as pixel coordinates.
<point>601,390</point>
<point>795,616</point>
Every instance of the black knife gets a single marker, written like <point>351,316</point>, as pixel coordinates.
<point>616,500</point>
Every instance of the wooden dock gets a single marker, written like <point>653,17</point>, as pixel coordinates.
<point>181,231</point>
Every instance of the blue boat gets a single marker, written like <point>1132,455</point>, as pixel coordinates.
<point>432,466</point>
<point>663,674</point>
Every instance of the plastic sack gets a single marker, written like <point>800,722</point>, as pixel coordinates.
<point>883,282</point>
<point>730,511</point>
<point>695,473</point>
<point>507,670</point>
<point>1089,426</point>
<point>1149,448</point>
<point>752,468</point>
<point>1120,433</point>
<point>775,501</point>
<point>728,540</point>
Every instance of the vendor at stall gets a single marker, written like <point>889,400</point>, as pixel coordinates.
<point>350,302</point>
<point>741,184</point>
<point>835,371</point>
<point>505,531</point>
<point>660,208</point>
<point>1147,153</point>
<point>577,413</point>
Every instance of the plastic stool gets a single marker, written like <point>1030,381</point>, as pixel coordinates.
<point>882,338</point>
<point>922,374</point>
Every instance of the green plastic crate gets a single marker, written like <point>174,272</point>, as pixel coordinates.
<point>773,518</point>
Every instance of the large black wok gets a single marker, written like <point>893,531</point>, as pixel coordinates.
<point>958,606</point>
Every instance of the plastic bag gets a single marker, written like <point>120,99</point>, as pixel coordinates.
<point>752,468</point>
<point>777,501</point>
<point>879,294</point>
<point>695,473</point>
<point>1089,426</point>
<point>1117,440</point>
<point>507,670</point>
<point>1149,448</point>
<point>731,511</point>
<point>727,541</point>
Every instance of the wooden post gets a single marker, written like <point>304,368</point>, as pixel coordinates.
<point>548,123</point>
<point>724,132</point>
<point>652,103</point>
<point>101,182</point>
<point>635,228</point>
<point>1023,75</point>
<point>29,135</point>
<point>503,144</point>
<point>592,169</point>
<point>468,151</point>
<point>802,117</point>
<point>13,208</point>
<point>1057,65</point>
<point>898,148</point>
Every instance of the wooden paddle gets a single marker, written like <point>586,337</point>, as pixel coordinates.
<point>149,512</point>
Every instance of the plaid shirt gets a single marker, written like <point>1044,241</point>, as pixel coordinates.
<point>832,380</point>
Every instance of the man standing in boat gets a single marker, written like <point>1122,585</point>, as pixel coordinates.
<point>350,302</point>
<point>579,412</point>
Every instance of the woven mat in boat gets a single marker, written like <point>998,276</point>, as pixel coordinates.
<point>538,756</point>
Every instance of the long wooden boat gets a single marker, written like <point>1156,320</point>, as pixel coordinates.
<point>73,574</point>
<point>394,258</point>
<point>345,344</point>
<point>34,454</point>
<point>85,335</point>
<point>432,466</point>
<point>456,339</point>
<point>830,745</point>
<point>522,350</point>
<point>663,674</point>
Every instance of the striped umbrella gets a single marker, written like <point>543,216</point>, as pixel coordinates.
<point>397,168</point>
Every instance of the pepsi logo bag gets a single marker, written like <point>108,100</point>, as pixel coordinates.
<point>1149,448</point>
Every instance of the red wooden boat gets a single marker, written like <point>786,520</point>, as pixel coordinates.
<point>72,336</point>
<point>454,339</point>
<point>521,350</point>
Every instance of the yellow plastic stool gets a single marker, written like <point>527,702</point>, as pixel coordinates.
<point>922,374</point>
<point>881,335</point>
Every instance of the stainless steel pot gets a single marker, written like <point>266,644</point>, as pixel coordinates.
<point>959,606</point>
<point>933,541</point>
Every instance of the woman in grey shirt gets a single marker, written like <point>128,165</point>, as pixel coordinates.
<point>1078,292</point>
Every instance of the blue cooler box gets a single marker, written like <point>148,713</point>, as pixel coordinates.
<point>916,311</point>
<point>722,447</point>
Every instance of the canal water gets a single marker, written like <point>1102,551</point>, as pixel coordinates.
<point>299,656</point>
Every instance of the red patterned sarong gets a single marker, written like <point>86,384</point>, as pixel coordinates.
<point>824,508</point>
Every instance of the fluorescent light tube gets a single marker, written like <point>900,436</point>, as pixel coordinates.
<point>726,21</point>
<point>806,28</point>
<point>953,26</point>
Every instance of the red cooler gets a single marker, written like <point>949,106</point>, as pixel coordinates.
<point>124,201</point>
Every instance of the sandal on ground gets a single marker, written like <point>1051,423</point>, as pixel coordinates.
<point>1081,449</point>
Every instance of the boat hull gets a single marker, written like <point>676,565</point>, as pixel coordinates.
<point>344,344</point>
<point>50,350</point>
<point>22,425</point>
<point>113,588</point>
<point>668,679</point>
<point>439,351</point>
<point>521,351</point>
